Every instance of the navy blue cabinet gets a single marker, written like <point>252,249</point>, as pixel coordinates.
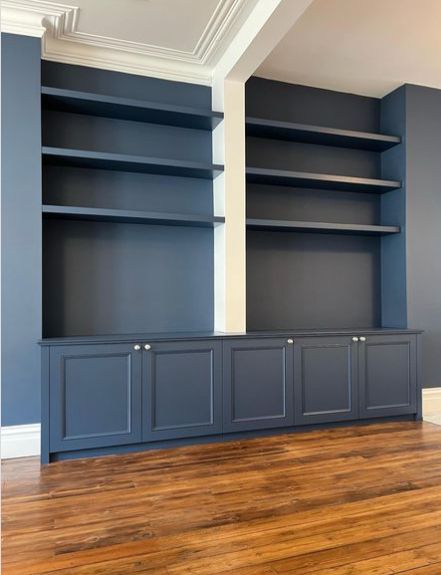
<point>181,394</point>
<point>258,384</point>
<point>107,394</point>
<point>387,375</point>
<point>325,379</point>
<point>95,396</point>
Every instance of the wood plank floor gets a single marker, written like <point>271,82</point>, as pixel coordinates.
<point>347,501</point>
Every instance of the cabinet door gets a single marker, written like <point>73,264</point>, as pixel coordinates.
<point>182,390</point>
<point>95,393</point>
<point>387,375</point>
<point>325,379</point>
<point>258,384</point>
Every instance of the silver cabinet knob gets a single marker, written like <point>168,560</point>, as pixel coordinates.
<point>290,341</point>
<point>362,338</point>
<point>137,347</point>
<point>355,339</point>
<point>147,346</point>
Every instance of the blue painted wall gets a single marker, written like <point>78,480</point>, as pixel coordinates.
<point>414,113</point>
<point>22,74</point>
<point>21,229</point>
<point>423,217</point>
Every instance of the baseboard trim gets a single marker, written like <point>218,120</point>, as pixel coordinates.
<point>431,401</point>
<point>20,440</point>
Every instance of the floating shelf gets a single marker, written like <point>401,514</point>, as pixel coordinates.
<point>128,163</point>
<point>320,135</point>
<point>320,227</point>
<point>130,216</point>
<point>319,181</point>
<point>129,109</point>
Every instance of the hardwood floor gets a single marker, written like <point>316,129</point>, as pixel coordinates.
<point>347,501</point>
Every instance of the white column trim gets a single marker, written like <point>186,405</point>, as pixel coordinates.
<point>229,200</point>
<point>20,440</point>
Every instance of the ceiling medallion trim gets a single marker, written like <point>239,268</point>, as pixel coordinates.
<point>57,25</point>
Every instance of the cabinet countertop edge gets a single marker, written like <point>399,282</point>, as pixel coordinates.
<point>158,337</point>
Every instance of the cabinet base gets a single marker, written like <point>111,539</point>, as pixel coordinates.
<point>133,448</point>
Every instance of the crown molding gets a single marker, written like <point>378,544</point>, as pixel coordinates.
<point>57,25</point>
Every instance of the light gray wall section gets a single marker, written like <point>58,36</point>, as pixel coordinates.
<point>21,229</point>
<point>423,118</point>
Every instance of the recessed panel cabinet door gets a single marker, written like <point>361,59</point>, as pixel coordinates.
<point>258,384</point>
<point>325,379</point>
<point>95,396</point>
<point>182,384</point>
<point>387,375</point>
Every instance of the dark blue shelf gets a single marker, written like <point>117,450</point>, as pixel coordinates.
<point>321,135</point>
<point>130,216</point>
<point>320,227</point>
<point>128,163</point>
<point>319,181</point>
<point>129,109</point>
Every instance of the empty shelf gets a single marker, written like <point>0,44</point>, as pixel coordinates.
<point>130,216</point>
<point>320,227</point>
<point>319,181</point>
<point>322,135</point>
<point>129,163</point>
<point>129,109</point>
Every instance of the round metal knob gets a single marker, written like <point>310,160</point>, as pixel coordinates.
<point>137,347</point>
<point>362,338</point>
<point>355,339</point>
<point>147,347</point>
<point>290,341</point>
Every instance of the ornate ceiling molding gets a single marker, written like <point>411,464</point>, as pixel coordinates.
<point>57,25</point>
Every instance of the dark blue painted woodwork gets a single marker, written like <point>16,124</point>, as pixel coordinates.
<point>20,228</point>
<point>95,396</point>
<point>388,375</point>
<point>216,335</point>
<point>314,106</point>
<point>324,281</point>
<point>325,380</point>
<point>109,83</point>
<point>423,230</point>
<point>131,216</point>
<point>320,227</point>
<point>258,384</point>
<point>321,135</point>
<point>129,109</point>
<point>182,390</point>
<point>393,208</point>
<point>129,163</point>
<point>322,181</point>
<point>104,395</point>
<point>121,278</point>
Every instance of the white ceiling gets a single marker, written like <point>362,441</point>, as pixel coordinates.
<point>174,39</point>
<point>361,46</point>
<point>173,24</point>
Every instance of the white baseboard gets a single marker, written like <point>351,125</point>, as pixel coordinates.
<point>432,401</point>
<point>20,440</point>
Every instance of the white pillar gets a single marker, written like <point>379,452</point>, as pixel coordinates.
<point>229,201</point>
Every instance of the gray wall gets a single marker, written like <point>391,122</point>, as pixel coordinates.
<point>21,229</point>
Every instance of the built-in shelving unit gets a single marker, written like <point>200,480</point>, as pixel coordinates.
<point>127,204</point>
<point>318,170</point>
<point>129,163</point>
<point>320,227</point>
<point>326,136</point>
<point>321,181</point>
<point>131,216</point>
<point>129,109</point>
